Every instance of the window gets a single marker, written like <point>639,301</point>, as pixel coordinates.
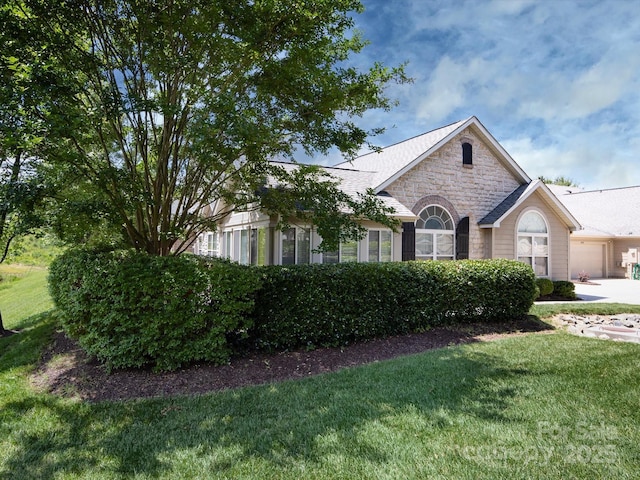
<point>236,245</point>
<point>467,154</point>
<point>379,246</point>
<point>212,244</point>
<point>262,246</point>
<point>434,234</point>
<point>347,252</point>
<point>244,247</point>
<point>296,246</point>
<point>533,242</point>
<point>253,246</point>
<point>228,244</point>
<point>331,257</point>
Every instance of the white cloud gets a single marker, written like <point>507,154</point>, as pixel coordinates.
<point>560,80</point>
<point>592,158</point>
<point>451,87</point>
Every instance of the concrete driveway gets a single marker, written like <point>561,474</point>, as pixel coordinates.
<point>610,290</point>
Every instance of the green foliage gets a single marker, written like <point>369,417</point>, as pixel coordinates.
<point>328,305</point>
<point>133,309</point>
<point>314,197</point>
<point>564,289</point>
<point>25,89</point>
<point>169,107</point>
<point>516,397</point>
<point>545,286</point>
<point>559,180</point>
<point>38,249</point>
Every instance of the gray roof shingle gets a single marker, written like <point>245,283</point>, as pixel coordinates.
<point>392,159</point>
<point>504,206</point>
<point>603,213</point>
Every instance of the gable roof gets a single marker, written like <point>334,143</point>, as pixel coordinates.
<point>518,196</point>
<point>377,170</point>
<point>604,213</point>
<point>391,162</point>
<point>354,182</point>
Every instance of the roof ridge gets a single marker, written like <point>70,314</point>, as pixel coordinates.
<point>321,166</point>
<point>596,190</point>
<point>410,138</point>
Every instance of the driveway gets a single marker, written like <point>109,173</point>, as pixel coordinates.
<point>610,290</point>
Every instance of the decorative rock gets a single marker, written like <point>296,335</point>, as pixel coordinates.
<point>594,326</point>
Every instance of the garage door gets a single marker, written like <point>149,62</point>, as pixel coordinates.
<point>587,257</point>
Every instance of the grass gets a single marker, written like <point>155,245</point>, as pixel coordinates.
<point>23,293</point>
<point>532,406</point>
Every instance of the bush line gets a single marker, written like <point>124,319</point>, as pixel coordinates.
<point>131,309</point>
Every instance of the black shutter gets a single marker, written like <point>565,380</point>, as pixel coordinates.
<point>462,239</point>
<point>408,241</point>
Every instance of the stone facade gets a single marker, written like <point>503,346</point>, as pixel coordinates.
<point>471,190</point>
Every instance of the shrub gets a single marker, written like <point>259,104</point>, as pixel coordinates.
<point>131,309</point>
<point>545,286</point>
<point>583,276</point>
<point>329,305</point>
<point>565,289</point>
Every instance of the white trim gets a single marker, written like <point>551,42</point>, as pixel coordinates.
<point>472,121</point>
<point>533,235</point>
<point>340,260</point>
<point>296,252</point>
<point>227,244</point>
<point>570,220</point>
<point>379,230</point>
<point>435,232</point>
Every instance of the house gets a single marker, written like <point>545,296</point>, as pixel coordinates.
<point>609,243</point>
<point>457,193</point>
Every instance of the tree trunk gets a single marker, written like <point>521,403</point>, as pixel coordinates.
<point>3,331</point>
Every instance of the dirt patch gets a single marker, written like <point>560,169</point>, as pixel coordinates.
<point>66,370</point>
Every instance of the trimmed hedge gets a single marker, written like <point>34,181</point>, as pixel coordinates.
<point>330,305</point>
<point>545,286</point>
<point>131,309</point>
<point>564,289</point>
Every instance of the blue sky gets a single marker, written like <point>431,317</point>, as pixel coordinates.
<point>557,82</point>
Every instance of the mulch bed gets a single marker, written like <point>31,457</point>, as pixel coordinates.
<point>65,369</point>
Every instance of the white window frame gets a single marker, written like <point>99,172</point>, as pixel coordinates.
<point>297,260</point>
<point>380,231</point>
<point>227,241</point>
<point>244,254</point>
<point>434,236</point>
<point>212,244</point>
<point>341,254</point>
<point>535,241</point>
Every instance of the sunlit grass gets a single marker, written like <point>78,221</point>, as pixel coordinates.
<point>532,406</point>
<point>26,294</point>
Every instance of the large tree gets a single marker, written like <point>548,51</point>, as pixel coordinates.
<point>21,133</point>
<point>170,106</point>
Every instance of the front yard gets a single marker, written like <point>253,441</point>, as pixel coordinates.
<point>526,406</point>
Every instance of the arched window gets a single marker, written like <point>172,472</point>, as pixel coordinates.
<point>533,242</point>
<point>467,154</point>
<point>434,234</point>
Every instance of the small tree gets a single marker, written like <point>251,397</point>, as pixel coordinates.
<point>170,106</point>
<point>559,180</point>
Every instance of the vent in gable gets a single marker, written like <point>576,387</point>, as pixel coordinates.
<point>467,154</point>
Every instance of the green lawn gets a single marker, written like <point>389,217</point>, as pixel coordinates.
<point>533,406</point>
